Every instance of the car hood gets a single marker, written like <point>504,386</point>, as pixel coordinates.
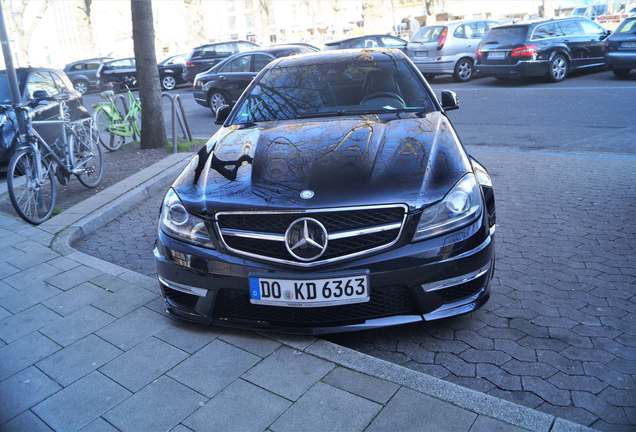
<point>345,161</point>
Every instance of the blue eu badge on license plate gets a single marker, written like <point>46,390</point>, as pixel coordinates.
<point>255,291</point>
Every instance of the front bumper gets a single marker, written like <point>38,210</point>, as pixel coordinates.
<point>529,68</point>
<point>415,282</point>
<point>200,97</point>
<point>621,60</point>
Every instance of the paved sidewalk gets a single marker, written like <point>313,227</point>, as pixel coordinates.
<point>85,345</point>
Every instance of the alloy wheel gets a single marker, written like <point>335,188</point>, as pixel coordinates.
<point>464,70</point>
<point>168,82</point>
<point>559,68</point>
<point>80,86</point>
<point>216,101</point>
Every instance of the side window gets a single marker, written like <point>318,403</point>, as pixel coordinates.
<point>546,31</point>
<point>224,49</point>
<point>92,66</point>
<point>391,42</point>
<point>242,46</point>
<point>260,61</point>
<point>240,64</point>
<point>479,29</point>
<point>121,64</point>
<point>41,81</point>
<point>77,67</point>
<point>589,28</point>
<point>570,28</point>
<point>460,32</point>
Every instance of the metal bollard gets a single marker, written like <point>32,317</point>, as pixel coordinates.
<point>175,117</point>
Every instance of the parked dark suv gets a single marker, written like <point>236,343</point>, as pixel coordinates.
<point>224,83</point>
<point>204,57</point>
<point>621,48</point>
<point>336,197</point>
<point>83,73</point>
<point>121,72</point>
<point>56,84</point>
<point>547,48</point>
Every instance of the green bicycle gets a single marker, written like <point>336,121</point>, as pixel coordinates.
<point>113,126</point>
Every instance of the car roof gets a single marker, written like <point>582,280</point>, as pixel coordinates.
<point>361,37</point>
<point>537,21</point>
<point>118,59</point>
<point>336,56</point>
<point>90,60</point>
<point>224,42</point>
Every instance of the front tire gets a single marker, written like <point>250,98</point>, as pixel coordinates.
<point>81,86</point>
<point>168,82</point>
<point>621,73</point>
<point>559,68</point>
<point>32,198</point>
<point>216,100</point>
<point>464,69</point>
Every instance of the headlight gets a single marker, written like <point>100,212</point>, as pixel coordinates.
<point>460,207</point>
<point>178,223</point>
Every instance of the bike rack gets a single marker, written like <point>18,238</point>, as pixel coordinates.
<point>177,117</point>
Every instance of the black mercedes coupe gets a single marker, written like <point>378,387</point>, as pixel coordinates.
<point>337,196</point>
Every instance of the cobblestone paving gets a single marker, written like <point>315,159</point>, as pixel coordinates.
<point>559,333</point>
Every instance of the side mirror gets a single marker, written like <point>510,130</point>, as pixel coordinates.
<point>449,100</point>
<point>222,113</point>
<point>41,95</point>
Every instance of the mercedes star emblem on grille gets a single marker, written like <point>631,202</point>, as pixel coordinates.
<point>307,194</point>
<point>306,239</point>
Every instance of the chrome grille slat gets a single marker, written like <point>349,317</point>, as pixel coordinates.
<point>380,226</point>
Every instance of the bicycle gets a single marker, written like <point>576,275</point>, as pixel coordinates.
<point>113,127</point>
<point>35,163</point>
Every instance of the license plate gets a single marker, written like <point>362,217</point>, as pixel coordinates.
<point>497,55</point>
<point>309,292</point>
<point>628,45</point>
<point>421,53</point>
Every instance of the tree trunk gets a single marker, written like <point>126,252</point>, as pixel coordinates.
<point>153,130</point>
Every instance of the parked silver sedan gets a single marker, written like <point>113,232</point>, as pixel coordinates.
<point>448,48</point>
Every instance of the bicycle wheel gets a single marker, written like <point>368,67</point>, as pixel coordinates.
<point>87,154</point>
<point>33,198</point>
<point>102,124</point>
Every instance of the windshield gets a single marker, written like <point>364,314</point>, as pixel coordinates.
<point>360,86</point>
<point>506,35</point>
<point>580,11</point>
<point>428,34</point>
<point>5,94</point>
<point>628,26</point>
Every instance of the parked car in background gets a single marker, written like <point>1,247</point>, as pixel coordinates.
<point>123,72</point>
<point>318,204</point>
<point>56,85</point>
<point>590,11</point>
<point>171,71</point>
<point>448,49</point>
<point>368,41</point>
<point>204,57</point>
<point>621,48</point>
<point>83,73</point>
<point>224,83</point>
<point>543,48</point>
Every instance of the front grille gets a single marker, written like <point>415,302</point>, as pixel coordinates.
<point>386,301</point>
<point>251,227</point>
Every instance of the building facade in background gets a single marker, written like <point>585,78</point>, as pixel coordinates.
<point>63,32</point>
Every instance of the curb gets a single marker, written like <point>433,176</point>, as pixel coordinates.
<point>91,214</point>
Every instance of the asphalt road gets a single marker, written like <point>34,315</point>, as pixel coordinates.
<point>559,332</point>
<point>587,112</point>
